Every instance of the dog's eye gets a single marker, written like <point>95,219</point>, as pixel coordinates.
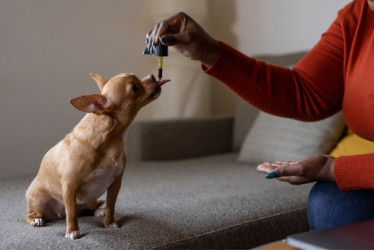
<point>134,88</point>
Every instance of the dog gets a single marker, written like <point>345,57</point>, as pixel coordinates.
<point>90,160</point>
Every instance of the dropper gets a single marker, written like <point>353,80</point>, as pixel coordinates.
<point>160,51</point>
<point>160,65</point>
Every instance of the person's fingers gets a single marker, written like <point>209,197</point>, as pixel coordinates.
<point>147,39</point>
<point>168,40</point>
<point>305,171</point>
<point>265,167</point>
<point>162,29</point>
<point>296,180</point>
<point>281,163</point>
<point>171,25</point>
<point>174,24</point>
<point>165,29</point>
<point>291,172</point>
<point>152,38</point>
<point>269,167</point>
<point>296,169</point>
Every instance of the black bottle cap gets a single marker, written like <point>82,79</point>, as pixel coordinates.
<point>161,50</point>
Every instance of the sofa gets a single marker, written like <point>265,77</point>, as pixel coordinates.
<point>192,183</point>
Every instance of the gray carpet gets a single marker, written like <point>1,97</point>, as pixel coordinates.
<point>179,204</point>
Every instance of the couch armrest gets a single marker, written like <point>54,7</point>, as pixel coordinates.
<point>178,138</point>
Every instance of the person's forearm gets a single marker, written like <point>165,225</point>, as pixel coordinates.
<point>273,89</point>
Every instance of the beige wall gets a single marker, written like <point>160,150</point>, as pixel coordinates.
<point>48,48</point>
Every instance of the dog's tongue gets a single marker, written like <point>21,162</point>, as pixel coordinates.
<point>162,82</point>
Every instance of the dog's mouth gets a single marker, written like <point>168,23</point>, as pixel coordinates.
<point>157,91</point>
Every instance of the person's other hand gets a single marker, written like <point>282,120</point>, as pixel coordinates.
<point>187,36</point>
<point>315,168</point>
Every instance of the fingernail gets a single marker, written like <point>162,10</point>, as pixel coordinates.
<point>146,40</point>
<point>145,51</point>
<point>151,51</point>
<point>164,39</point>
<point>271,175</point>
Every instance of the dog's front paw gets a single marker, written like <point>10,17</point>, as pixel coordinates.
<point>73,235</point>
<point>38,222</point>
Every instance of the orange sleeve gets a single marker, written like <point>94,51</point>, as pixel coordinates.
<point>354,172</point>
<point>310,91</point>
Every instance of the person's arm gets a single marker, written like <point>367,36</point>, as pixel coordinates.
<point>312,90</point>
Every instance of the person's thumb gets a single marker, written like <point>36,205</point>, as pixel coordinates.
<point>173,39</point>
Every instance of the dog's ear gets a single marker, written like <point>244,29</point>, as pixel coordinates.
<point>99,80</point>
<point>95,103</point>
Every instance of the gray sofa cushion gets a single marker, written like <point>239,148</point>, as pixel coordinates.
<point>210,202</point>
<point>273,138</point>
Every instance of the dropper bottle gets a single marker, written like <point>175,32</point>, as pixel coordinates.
<point>160,51</point>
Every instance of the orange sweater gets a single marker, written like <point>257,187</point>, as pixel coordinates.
<point>337,74</point>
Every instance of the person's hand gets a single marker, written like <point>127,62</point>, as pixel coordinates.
<point>315,168</point>
<point>187,36</point>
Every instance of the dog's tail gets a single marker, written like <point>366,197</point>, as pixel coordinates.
<point>99,203</point>
<point>99,212</point>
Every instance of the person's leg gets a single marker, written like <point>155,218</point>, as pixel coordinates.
<point>328,206</point>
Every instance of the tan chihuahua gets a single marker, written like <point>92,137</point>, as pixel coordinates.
<point>90,159</point>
